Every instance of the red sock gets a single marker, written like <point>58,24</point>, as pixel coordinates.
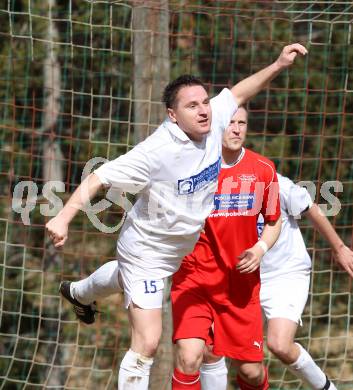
<point>183,381</point>
<point>246,386</point>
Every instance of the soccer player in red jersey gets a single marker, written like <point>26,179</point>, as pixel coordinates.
<point>215,293</point>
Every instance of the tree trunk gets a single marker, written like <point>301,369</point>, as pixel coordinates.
<point>52,156</point>
<point>52,159</point>
<point>151,74</point>
<point>151,66</point>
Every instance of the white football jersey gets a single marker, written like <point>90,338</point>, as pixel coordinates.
<point>175,179</point>
<point>289,253</point>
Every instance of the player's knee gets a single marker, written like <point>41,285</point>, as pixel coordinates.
<point>150,346</point>
<point>189,360</point>
<point>145,344</point>
<point>209,357</point>
<point>280,348</point>
<point>252,373</point>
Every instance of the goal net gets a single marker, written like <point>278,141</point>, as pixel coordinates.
<point>82,80</point>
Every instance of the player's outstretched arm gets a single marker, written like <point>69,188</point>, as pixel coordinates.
<point>250,259</point>
<point>58,226</point>
<point>252,85</point>
<point>341,253</point>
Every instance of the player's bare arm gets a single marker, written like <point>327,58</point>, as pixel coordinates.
<point>249,87</point>
<point>342,254</point>
<point>58,226</point>
<point>250,259</point>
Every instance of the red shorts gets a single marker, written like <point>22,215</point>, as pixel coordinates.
<point>236,333</point>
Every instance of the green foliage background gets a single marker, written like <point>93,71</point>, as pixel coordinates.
<point>303,121</point>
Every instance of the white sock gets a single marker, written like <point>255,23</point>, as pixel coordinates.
<point>214,375</point>
<point>102,283</point>
<point>306,369</point>
<point>134,373</point>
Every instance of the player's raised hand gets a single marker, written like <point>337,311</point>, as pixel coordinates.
<point>250,260</point>
<point>289,53</point>
<point>58,231</point>
<point>344,258</point>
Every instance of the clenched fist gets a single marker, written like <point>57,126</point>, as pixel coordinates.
<point>288,54</point>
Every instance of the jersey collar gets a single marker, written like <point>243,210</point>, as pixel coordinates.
<point>242,153</point>
<point>176,130</point>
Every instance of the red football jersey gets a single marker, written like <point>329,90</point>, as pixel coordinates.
<point>245,190</point>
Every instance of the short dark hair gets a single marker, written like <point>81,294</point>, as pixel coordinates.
<point>172,89</point>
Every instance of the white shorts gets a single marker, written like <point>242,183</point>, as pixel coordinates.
<point>147,293</point>
<point>285,296</point>
<point>139,288</point>
<point>117,276</point>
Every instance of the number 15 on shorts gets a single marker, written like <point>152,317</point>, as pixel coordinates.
<point>150,286</point>
<point>148,294</point>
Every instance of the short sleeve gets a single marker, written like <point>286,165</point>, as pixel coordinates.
<point>129,172</point>
<point>271,210</point>
<point>295,199</point>
<point>223,107</point>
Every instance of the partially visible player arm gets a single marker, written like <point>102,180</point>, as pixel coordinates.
<point>250,259</point>
<point>252,85</point>
<point>341,253</point>
<point>58,226</point>
<point>129,172</point>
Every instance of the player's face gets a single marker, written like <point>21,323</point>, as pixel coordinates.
<point>235,134</point>
<point>192,111</point>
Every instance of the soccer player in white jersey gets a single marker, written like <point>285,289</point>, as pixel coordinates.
<point>174,173</point>
<point>285,277</point>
